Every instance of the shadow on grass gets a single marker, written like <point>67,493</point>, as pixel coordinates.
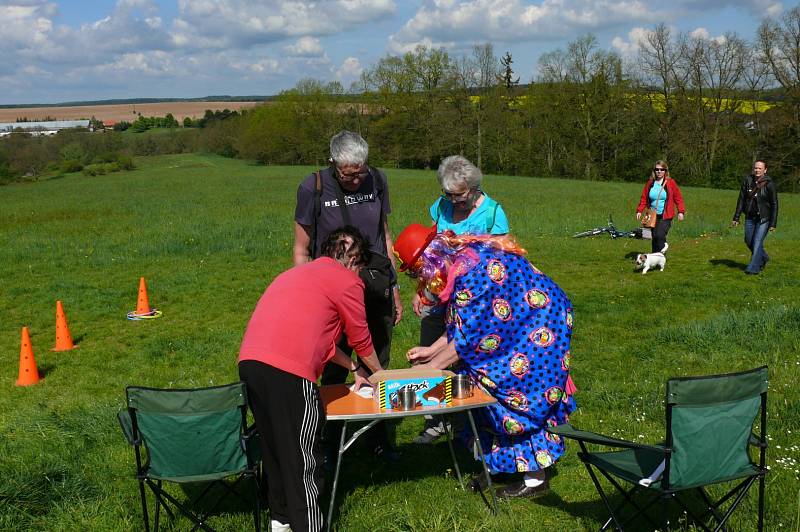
<point>595,510</point>
<point>729,263</point>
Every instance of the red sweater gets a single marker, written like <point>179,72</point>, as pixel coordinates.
<point>673,199</point>
<point>302,314</point>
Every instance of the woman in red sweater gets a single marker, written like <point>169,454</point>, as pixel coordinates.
<point>291,336</point>
<point>662,194</point>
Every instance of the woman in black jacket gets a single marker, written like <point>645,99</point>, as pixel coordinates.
<point>758,199</point>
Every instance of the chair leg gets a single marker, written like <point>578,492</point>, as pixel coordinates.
<point>761,482</point>
<point>627,496</point>
<point>711,508</point>
<point>602,496</point>
<point>144,505</point>
<point>743,489</point>
<point>158,507</point>
<point>187,512</point>
<point>665,512</point>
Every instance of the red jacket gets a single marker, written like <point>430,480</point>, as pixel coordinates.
<point>302,314</point>
<point>674,198</point>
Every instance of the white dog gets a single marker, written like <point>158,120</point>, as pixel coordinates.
<point>648,261</point>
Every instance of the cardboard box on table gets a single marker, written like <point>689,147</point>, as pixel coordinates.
<point>434,387</point>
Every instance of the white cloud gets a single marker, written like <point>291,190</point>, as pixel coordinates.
<point>453,24</point>
<point>630,47</point>
<point>703,34</point>
<point>350,70</point>
<point>445,22</point>
<point>243,23</point>
<point>305,47</point>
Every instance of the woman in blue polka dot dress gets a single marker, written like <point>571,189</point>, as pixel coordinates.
<point>510,326</point>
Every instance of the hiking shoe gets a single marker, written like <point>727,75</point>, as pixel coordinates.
<point>431,433</point>
<point>520,491</point>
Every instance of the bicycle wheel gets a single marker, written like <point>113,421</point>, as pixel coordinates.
<point>590,232</point>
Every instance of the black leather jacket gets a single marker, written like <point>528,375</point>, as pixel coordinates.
<point>766,200</point>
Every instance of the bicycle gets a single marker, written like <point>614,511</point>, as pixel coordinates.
<point>611,229</point>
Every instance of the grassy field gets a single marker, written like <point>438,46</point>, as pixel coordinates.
<point>210,233</point>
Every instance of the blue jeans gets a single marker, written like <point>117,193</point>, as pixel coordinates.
<point>754,234</point>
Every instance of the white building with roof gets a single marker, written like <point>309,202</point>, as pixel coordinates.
<point>50,127</point>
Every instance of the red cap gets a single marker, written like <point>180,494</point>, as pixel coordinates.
<point>411,242</point>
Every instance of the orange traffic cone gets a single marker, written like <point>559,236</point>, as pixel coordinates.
<point>142,304</point>
<point>28,374</point>
<point>63,338</point>
<point>143,310</point>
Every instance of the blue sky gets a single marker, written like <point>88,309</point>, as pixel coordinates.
<point>58,50</point>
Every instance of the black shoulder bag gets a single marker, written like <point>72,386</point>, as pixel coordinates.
<point>378,275</point>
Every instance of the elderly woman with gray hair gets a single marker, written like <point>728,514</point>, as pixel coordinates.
<point>463,208</point>
<point>349,192</point>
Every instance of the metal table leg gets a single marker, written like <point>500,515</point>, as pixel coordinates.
<point>343,446</point>
<point>483,461</point>
<point>449,432</point>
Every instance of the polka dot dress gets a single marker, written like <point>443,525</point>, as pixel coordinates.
<point>511,327</point>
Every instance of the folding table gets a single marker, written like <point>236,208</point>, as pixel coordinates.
<point>342,404</point>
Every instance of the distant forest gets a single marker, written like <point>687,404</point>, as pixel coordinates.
<point>708,106</point>
<point>126,101</point>
<point>129,101</point>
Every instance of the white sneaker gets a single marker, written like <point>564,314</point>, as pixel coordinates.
<point>277,526</point>
<point>431,433</point>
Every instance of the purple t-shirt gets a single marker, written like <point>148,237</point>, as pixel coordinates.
<point>363,205</point>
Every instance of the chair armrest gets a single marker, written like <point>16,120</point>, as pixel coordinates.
<point>126,425</point>
<point>568,431</point>
<point>755,441</point>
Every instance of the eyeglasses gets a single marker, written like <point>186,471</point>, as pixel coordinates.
<point>659,169</point>
<point>457,195</point>
<point>352,176</point>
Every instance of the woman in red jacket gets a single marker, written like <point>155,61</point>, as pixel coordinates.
<point>662,194</point>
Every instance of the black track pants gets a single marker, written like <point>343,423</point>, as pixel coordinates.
<point>289,416</point>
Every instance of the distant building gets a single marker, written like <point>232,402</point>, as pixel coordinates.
<point>42,128</point>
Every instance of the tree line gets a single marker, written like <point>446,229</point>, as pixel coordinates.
<point>709,106</point>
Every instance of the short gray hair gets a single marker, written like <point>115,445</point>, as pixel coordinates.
<point>455,170</point>
<point>348,148</point>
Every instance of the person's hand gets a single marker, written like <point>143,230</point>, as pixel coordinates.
<point>416,304</point>
<point>419,355</point>
<point>398,306</point>
<point>680,216</point>
<point>638,216</point>
<point>734,223</point>
<point>361,378</point>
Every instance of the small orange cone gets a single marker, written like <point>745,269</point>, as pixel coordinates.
<point>63,338</point>
<point>142,304</point>
<point>28,374</point>
<point>143,310</point>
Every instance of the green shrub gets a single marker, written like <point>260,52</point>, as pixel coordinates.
<point>70,166</point>
<point>125,162</point>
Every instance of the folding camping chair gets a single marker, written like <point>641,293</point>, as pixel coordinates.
<point>709,426</point>
<point>190,436</point>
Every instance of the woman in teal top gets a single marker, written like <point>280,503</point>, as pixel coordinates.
<point>462,208</point>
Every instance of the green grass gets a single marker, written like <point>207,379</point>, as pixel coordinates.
<point>210,233</point>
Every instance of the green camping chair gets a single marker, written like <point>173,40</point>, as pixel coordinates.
<point>191,436</point>
<point>709,430</point>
